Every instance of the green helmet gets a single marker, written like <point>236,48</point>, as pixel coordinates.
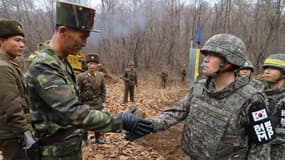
<point>227,46</point>
<point>247,65</point>
<point>276,61</point>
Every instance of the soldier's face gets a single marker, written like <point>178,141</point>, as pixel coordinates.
<point>74,40</point>
<point>244,72</point>
<point>13,46</point>
<point>211,64</point>
<point>92,66</point>
<point>271,74</point>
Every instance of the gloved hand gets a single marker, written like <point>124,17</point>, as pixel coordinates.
<point>103,105</point>
<point>134,124</point>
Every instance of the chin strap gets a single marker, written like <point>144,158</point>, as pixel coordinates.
<point>221,70</point>
<point>279,79</point>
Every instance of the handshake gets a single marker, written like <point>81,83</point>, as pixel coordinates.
<point>137,127</point>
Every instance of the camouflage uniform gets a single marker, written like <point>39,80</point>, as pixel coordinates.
<point>276,104</point>
<point>92,88</point>
<point>231,123</point>
<point>13,105</point>
<point>130,78</point>
<point>163,78</point>
<point>54,96</point>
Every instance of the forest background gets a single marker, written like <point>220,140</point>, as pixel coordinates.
<point>157,34</point>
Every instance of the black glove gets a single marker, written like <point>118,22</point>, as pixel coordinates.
<point>135,124</point>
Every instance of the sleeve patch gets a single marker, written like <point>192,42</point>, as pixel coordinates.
<point>259,115</point>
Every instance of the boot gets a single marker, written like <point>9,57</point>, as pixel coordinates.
<point>99,140</point>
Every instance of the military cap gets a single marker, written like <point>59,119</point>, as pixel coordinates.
<point>10,27</point>
<point>92,58</point>
<point>75,16</point>
<point>131,63</point>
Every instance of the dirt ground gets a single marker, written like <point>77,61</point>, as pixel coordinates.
<point>150,100</point>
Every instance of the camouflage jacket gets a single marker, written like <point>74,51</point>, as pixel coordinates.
<point>130,77</point>
<point>13,105</point>
<point>276,103</point>
<point>55,101</point>
<point>220,125</point>
<point>92,89</point>
<point>256,84</point>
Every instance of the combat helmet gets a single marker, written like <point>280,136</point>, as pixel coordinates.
<point>276,61</point>
<point>228,46</point>
<point>248,65</point>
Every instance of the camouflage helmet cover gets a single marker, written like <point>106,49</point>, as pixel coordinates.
<point>75,16</point>
<point>247,65</point>
<point>227,46</point>
<point>10,27</point>
<point>275,60</point>
<point>92,58</point>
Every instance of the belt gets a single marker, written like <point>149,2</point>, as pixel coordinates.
<point>57,137</point>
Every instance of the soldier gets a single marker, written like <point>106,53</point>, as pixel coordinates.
<point>274,76</point>
<point>130,78</point>
<point>13,105</point>
<point>183,74</point>
<point>92,88</point>
<point>247,70</point>
<point>163,77</point>
<point>225,117</point>
<point>58,113</point>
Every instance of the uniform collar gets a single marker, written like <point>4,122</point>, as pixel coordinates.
<point>9,59</point>
<point>89,74</point>
<point>269,91</point>
<point>239,82</point>
<point>5,57</point>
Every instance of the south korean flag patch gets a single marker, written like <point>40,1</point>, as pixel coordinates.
<point>259,115</point>
<point>260,127</point>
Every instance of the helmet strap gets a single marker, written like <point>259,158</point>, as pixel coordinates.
<point>221,69</point>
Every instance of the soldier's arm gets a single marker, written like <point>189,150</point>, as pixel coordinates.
<point>259,128</point>
<point>280,126</point>
<point>61,98</point>
<point>136,79</point>
<point>103,89</point>
<point>174,115</point>
<point>11,111</point>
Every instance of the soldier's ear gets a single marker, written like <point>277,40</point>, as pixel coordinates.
<point>1,41</point>
<point>61,30</point>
